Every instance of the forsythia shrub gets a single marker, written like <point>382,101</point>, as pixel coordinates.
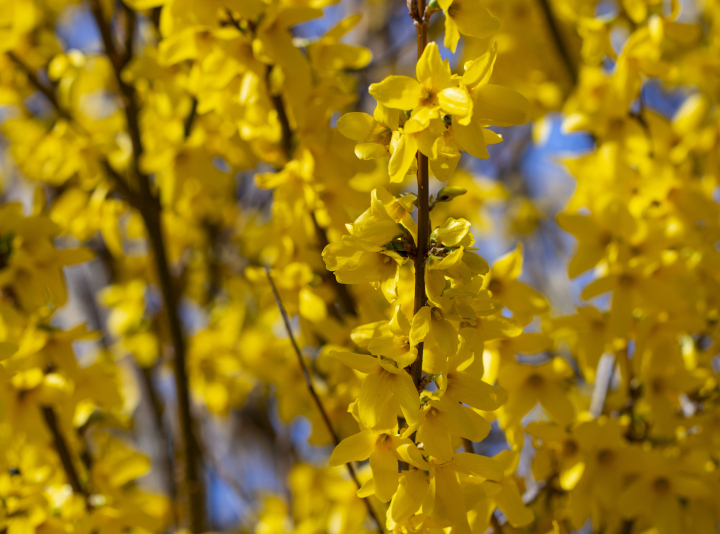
<point>264,221</point>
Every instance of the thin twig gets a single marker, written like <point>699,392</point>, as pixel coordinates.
<point>313,392</point>
<point>61,447</point>
<point>156,411</point>
<point>48,92</point>
<point>32,77</point>
<point>346,300</point>
<point>287,133</point>
<point>190,119</point>
<point>559,41</point>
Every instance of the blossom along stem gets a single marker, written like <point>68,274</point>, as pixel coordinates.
<point>417,11</point>
<point>313,392</point>
<point>187,468</point>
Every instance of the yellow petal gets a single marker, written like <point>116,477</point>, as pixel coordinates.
<point>445,158</point>
<point>377,407</point>
<point>405,392</point>
<point>509,266</point>
<point>370,150</point>
<point>402,158</point>
<point>511,504</point>
<point>398,92</point>
<point>481,466</point>
<point>556,404</point>
<point>356,126</point>
<point>452,232</point>
<point>359,362</point>
<point>452,35</point>
<point>431,70</point>
<point>499,106</point>
<point>471,139</point>
<point>456,101</point>
<point>355,448</point>
<point>420,327</point>
<point>384,467</point>
<point>473,19</point>
<point>479,70</point>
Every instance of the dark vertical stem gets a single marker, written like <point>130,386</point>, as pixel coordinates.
<point>421,27</point>
<point>559,41</point>
<point>287,133</point>
<point>156,411</point>
<point>187,472</point>
<point>63,451</point>
<point>190,119</point>
<point>130,26</point>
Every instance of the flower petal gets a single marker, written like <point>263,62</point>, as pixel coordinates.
<point>355,448</point>
<point>398,92</point>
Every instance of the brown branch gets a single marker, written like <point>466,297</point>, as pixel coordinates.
<point>130,23</point>
<point>48,92</point>
<point>188,468</point>
<point>34,80</point>
<point>346,300</point>
<point>559,41</point>
<point>156,411</point>
<point>63,451</point>
<point>190,119</point>
<point>313,392</point>
<point>417,11</point>
<point>279,105</point>
<point>132,112</point>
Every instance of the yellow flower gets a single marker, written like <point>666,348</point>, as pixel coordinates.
<point>463,382</point>
<point>386,391</point>
<point>519,298</point>
<point>433,94</point>
<point>529,384</point>
<point>442,421</point>
<point>654,495</point>
<point>373,134</point>
<point>395,343</point>
<point>439,337</point>
<point>446,500</point>
<point>384,449</point>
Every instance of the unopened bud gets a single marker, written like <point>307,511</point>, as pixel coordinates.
<point>448,193</point>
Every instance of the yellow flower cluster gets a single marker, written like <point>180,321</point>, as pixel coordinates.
<point>194,153</point>
<point>63,467</point>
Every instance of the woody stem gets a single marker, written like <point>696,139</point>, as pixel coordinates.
<point>188,461</point>
<point>423,235</point>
